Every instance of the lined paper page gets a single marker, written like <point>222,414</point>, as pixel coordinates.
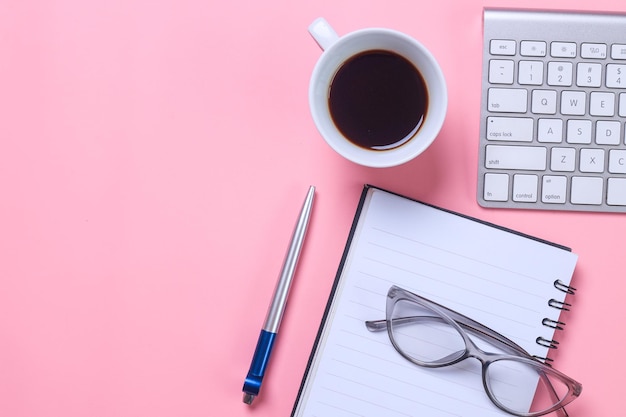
<point>499,278</point>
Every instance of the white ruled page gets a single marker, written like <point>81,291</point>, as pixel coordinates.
<point>496,277</point>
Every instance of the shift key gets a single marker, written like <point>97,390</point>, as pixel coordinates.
<point>530,158</point>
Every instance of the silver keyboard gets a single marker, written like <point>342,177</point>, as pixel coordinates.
<point>553,111</point>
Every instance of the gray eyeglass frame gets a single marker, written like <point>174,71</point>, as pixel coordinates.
<point>461,322</point>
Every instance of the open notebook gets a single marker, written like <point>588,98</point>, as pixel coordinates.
<point>510,282</point>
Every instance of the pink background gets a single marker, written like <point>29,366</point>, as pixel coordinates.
<point>153,157</point>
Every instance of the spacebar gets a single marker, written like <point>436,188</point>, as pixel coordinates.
<point>532,158</point>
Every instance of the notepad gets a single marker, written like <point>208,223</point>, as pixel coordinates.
<point>511,282</point>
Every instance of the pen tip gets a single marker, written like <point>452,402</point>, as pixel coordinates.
<point>248,398</point>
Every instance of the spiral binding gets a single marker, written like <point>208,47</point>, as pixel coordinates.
<point>561,305</point>
<point>558,325</point>
<point>559,285</point>
<point>555,324</point>
<point>549,343</point>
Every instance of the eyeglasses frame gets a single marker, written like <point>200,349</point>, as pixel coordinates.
<point>460,322</point>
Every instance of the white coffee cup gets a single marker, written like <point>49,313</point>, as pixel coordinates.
<point>336,51</point>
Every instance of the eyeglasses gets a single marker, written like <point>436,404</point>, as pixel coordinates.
<point>433,336</point>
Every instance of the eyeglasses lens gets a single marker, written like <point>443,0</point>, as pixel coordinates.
<point>424,336</point>
<point>516,384</point>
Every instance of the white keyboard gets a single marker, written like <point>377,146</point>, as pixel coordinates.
<point>552,131</point>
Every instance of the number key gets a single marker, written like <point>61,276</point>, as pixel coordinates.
<point>615,76</point>
<point>530,72</point>
<point>560,73</point>
<point>588,75</point>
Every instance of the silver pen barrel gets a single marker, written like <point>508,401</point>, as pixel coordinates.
<point>279,301</point>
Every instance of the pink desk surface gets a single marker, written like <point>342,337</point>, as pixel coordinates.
<point>153,157</point>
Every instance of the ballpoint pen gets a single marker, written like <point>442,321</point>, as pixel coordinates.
<point>263,350</point>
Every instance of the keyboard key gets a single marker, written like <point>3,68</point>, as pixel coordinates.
<point>573,103</point>
<point>616,192</point>
<point>533,48</point>
<point>563,49</point>
<point>592,160</point>
<point>602,104</point>
<point>554,189</point>
<point>618,51</point>
<point>578,131</point>
<point>501,71</point>
<point>615,76</point>
<point>588,75</point>
<point>550,130</point>
<point>608,132</point>
<point>622,105</point>
<point>532,158</point>
<point>496,187</point>
<point>507,100</point>
<point>525,188</point>
<point>563,159</point>
<point>587,190</point>
<point>560,73</point>
<point>530,73</point>
<point>617,161</point>
<point>544,101</point>
<point>502,47</point>
<point>511,129</point>
<point>593,50</point>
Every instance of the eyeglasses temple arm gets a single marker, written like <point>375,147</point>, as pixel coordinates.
<point>376,325</point>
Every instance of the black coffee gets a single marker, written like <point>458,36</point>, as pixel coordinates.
<point>378,99</point>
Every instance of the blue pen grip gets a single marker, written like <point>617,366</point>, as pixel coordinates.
<point>261,357</point>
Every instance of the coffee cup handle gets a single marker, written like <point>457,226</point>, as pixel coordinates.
<point>323,33</point>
